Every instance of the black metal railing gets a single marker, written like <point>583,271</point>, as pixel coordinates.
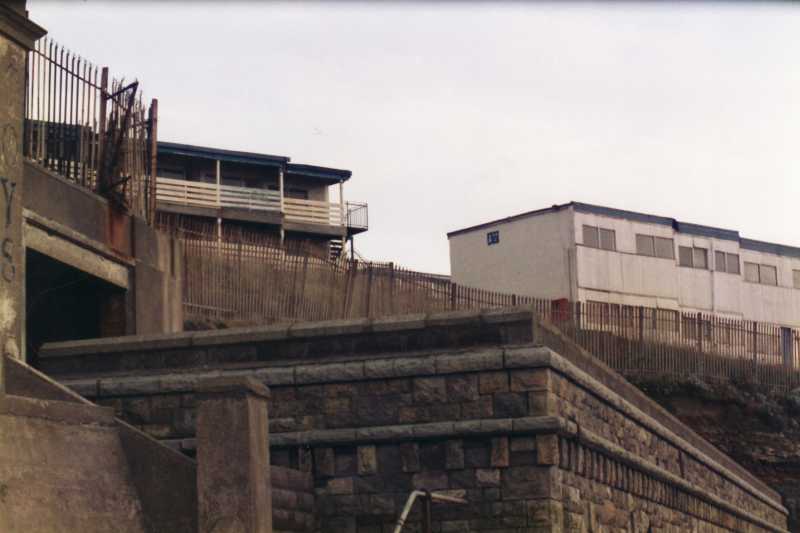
<point>357,215</point>
<point>90,129</point>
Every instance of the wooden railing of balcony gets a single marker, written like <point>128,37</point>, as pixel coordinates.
<point>196,193</point>
<point>200,194</point>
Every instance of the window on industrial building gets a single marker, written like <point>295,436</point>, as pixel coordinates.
<point>590,237</point>
<point>665,248</point>
<point>655,246</point>
<point>725,262</point>
<point>645,245</point>
<point>599,238</point>
<point>765,274</point>
<point>608,240</point>
<point>493,237</point>
<point>796,278</point>
<point>693,257</point>
<point>751,272</point>
<point>768,274</point>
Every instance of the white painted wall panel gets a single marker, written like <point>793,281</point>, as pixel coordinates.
<point>531,258</point>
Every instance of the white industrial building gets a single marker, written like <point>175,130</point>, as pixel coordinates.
<point>591,253</point>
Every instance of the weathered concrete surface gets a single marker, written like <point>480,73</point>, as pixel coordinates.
<point>84,231</point>
<point>63,469</point>
<point>163,480</point>
<point>17,34</point>
<point>535,440</point>
<point>233,476</point>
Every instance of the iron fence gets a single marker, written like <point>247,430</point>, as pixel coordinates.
<point>247,277</point>
<point>93,130</point>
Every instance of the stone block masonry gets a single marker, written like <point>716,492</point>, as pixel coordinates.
<point>460,403</point>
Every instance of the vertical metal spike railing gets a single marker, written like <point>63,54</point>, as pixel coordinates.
<point>90,129</point>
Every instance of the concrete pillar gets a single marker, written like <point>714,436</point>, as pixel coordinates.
<point>233,480</point>
<point>17,35</point>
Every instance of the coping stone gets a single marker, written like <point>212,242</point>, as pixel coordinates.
<point>399,323</point>
<point>528,356</point>
<point>248,335</point>
<point>236,385</point>
<point>330,328</point>
<point>327,372</point>
<point>70,413</point>
<point>507,314</point>
<point>454,318</point>
<point>472,361</point>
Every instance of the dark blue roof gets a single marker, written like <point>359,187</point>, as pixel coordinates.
<point>204,152</point>
<point>680,227</point>
<point>334,175</point>
<point>326,174</point>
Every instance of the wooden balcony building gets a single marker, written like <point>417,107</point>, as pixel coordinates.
<point>268,192</point>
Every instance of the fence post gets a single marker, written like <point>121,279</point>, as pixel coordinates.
<point>700,356</point>
<point>101,134</point>
<point>755,350</point>
<point>151,204</point>
<point>369,290</point>
<point>641,327</point>
<point>787,342</point>
<point>391,289</point>
<point>453,291</point>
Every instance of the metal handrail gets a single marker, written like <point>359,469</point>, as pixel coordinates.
<point>428,498</point>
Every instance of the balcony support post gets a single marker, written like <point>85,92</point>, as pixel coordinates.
<point>343,218</point>
<point>219,180</point>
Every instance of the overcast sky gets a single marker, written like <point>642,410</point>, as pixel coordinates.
<point>452,114</point>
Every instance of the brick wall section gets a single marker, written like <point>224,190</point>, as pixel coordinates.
<point>292,500</point>
<point>533,442</point>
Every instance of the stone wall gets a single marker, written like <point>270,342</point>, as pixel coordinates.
<point>457,403</point>
<point>292,500</point>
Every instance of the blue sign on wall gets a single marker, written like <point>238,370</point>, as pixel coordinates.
<point>493,237</point>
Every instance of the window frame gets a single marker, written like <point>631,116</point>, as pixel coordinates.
<point>648,240</point>
<point>760,268</point>
<point>671,255</point>
<point>613,236</point>
<point>653,241</point>
<point>600,237</point>
<point>596,236</point>
<point>747,276</point>
<point>724,265</point>
<point>768,268</point>
<point>693,250</point>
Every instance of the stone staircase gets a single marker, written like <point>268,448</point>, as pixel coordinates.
<point>68,465</point>
<point>64,469</point>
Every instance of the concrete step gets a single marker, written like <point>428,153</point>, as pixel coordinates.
<point>63,468</point>
<point>69,465</point>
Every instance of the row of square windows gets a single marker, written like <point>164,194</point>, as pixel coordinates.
<point>688,256</point>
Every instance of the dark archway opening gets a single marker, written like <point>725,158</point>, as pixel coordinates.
<point>63,303</point>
